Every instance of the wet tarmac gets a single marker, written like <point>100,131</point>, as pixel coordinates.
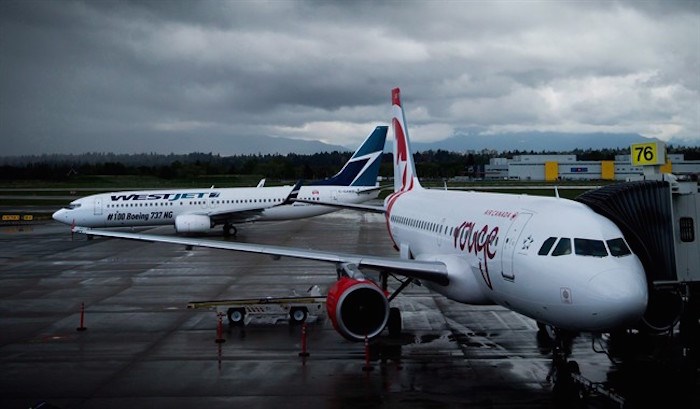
<point>140,346</point>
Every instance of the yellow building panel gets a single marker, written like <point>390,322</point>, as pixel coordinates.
<point>607,170</point>
<point>667,168</point>
<point>551,171</point>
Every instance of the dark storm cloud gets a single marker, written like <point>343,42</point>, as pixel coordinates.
<point>179,76</point>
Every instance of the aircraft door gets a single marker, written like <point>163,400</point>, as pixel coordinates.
<point>98,206</point>
<point>441,233</point>
<point>510,245</point>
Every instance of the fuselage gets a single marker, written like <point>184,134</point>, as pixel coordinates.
<point>551,259</point>
<point>223,205</point>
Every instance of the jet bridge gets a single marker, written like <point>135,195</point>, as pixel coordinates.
<point>659,218</point>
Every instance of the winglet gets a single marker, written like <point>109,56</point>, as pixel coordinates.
<point>293,194</point>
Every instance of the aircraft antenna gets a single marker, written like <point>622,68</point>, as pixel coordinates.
<point>556,192</point>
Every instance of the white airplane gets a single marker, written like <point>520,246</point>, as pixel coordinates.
<point>548,258</point>
<point>199,210</point>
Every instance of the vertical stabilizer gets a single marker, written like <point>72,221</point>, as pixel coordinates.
<point>405,177</point>
<point>363,167</point>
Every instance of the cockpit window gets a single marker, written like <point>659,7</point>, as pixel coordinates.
<point>73,206</point>
<point>587,247</point>
<point>563,247</point>
<point>546,246</point>
<point>618,247</point>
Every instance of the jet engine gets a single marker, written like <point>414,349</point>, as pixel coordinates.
<point>192,223</point>
<point>357,308</point>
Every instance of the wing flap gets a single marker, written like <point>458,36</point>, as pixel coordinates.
<point>241,216</point>
<point>249,215</point>
<point>349,206</point>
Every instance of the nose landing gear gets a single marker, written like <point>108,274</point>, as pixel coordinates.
<point>570,389</point>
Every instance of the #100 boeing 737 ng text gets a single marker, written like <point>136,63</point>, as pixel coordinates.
<point>551,259</point>
<point>199,210</point>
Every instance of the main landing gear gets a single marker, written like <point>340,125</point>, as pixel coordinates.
<point>394,323</point>
<point>230,230</point>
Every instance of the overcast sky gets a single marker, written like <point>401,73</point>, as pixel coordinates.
<point>183,76</point>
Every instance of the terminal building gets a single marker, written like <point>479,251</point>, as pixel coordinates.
<point>567,167</point>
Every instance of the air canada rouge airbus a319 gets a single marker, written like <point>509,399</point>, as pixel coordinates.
<point>551,259</point>
<point>199,210</point>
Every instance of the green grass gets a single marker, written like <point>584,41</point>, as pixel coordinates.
<point>86,185</point>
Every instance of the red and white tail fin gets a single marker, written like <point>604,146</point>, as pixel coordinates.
<point>405,177</point>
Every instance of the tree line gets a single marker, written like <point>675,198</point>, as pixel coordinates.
<point>429,164</point>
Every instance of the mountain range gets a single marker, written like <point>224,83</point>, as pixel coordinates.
<point>521,141</point>
<point>534,141</point>
<point>504,142</point>
<point>507,142</point>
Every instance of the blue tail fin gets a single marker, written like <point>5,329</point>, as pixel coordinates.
<point>363,168</point>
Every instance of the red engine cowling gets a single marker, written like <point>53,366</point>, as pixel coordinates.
<point>357,308</point>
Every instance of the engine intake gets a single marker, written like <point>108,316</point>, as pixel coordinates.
<point>357,308</point>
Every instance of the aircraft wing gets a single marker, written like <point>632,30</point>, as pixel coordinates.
<point>433,271</point>
<point>241,216</point>
<point>350,206</point>
<point>371,189</point>
<point>249,215</point>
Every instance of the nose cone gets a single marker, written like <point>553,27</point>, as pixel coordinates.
<point>60,216</point>
<point>621,297</point>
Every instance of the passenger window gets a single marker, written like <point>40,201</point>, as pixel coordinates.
<point>587,247</point>
<point>618,247</point>
<point>563,247</point>
<point>546,246</point>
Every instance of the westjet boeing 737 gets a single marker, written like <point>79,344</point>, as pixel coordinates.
<point>199,210</point>
<point>548,258</point>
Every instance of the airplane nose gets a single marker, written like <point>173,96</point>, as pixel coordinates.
<point>622,296</point>
<point>59,215</point>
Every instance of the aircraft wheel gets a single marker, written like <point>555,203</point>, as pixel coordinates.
<point>298,315</point>
<point>394,322</point>
<point>229,230</point>
<point>236,316</point>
